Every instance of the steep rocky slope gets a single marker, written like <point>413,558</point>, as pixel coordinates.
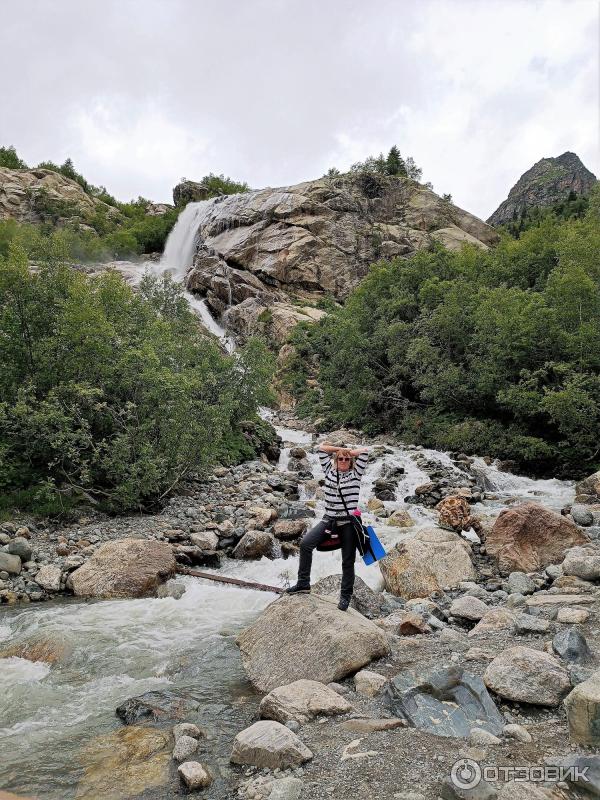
<point>547,182</point>
<point>41,195</point>
<point>258,251</point>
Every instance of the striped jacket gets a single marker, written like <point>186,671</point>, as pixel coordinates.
<point>349,485</point>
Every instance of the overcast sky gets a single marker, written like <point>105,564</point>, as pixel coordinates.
<point>140,93</point>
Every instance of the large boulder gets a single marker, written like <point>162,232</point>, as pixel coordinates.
<point>125,568</point>
<point>255,544</point>
<point>367,602</point>
<point>529,537</point>
<point>446,702</point>
<point>583,563</point>
<point>302,701</point>
<point>588,490</point>
<point>339,642</point>
<point>525,675</point>
<point>269,744</point>
<point>583,711</point>
<point>427,561</point>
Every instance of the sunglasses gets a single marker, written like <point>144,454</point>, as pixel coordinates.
<point>343,458</point>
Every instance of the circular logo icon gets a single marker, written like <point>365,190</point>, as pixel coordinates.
<point>465,773</point>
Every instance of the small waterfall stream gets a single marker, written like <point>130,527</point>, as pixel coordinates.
<point>119,649</point>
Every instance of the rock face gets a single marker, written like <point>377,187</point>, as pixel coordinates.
<point>257,248</point>
<point>339,642</point>
<point>425,562</point>
<point>547,182</point>
<point>302,701</point>
<point>446,702</point>
<point>125,568</point>
<point>530,537</point>
<point>37,195</point>
<point>527,676</point>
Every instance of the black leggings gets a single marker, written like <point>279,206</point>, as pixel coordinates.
<point>314,537</point>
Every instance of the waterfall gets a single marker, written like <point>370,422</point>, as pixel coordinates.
<point>181,243</point>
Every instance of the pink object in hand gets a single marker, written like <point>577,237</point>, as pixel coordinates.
<point>357,512</point>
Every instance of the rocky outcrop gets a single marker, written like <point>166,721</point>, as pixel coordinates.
<point>530,537</point>
<point>257,248</point>
<point>339,642</point>
<point>126,568</point>
<point>41,195</point>
<point>549,181</point>
<point>189,192</point>
<point>425,562</point>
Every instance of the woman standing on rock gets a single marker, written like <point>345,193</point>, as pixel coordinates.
<point>343,470</point>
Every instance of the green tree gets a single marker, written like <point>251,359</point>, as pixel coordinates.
<point>10,159</point>
<point>395,163</point>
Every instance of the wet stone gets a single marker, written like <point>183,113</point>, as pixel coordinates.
<point>167,707</point>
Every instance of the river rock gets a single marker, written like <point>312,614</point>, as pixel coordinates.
<point>404,623</point>
<point>556,600</point>
<point>339,642</point>
<point>369,683</point>
<point>400,519</point>
<point>269,744</point>
<point>48,577</point>
<point>496,619</point>
<point>165,706</point>
<point>583,563</point>
<point>519,583</point>
<point>19,546</point>
<point>450,791</point>
<point>468,607</point>
<point>588,490</point>
<point>455,513</point>
<point>527,676</point>
<point>572,616</point>
<point>583,711</point>
<point>10,563</point>
<point>367,602</point>
<point>582,515</point>
<point>570,644</point>
<point>426,561</point>
<point>302,701</point>
<point>255,544</point>
<point>518,732</point>
<point>528,537</point>
<point>445,702</point>
<point>125,568</point>
<point>185,746</point>
<point>526,623</point>
<point>289,528</point>
<point>583,771</point>
<point>194,775</point>
<point>52,649</point>
<point>206,540</point>
<point>286,789</point>
<point>187,729</point>
<point>124,764</point>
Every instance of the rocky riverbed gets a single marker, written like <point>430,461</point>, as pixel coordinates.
<point>477,637</point>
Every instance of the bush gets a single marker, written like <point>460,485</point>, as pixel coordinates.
<point>108,394</point>
<point>10,159</point>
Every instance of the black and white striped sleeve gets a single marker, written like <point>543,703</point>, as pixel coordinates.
<point>325,460</point>
<point>360,464</point>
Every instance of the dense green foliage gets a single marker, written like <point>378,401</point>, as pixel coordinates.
<point>219,184</point>
<point>484,351</point>
<point>574,207</point>
<point>109,394</point>
<point>10,159</point>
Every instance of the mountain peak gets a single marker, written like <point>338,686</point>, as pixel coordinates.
<point>548,181</point>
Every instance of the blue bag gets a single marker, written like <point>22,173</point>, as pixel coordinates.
<point>374,549</point>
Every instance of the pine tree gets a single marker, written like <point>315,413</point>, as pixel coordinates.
<point>394,163</point>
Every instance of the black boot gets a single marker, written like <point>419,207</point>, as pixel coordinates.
<point>344,603</point>
<point>298,588</point>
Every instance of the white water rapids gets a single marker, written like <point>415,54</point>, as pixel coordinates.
<point>115,650</point>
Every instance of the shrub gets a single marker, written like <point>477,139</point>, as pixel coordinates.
<point>10,159</point>
<point>108,394</point>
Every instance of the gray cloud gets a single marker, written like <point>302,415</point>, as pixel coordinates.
<point>140,94</point>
